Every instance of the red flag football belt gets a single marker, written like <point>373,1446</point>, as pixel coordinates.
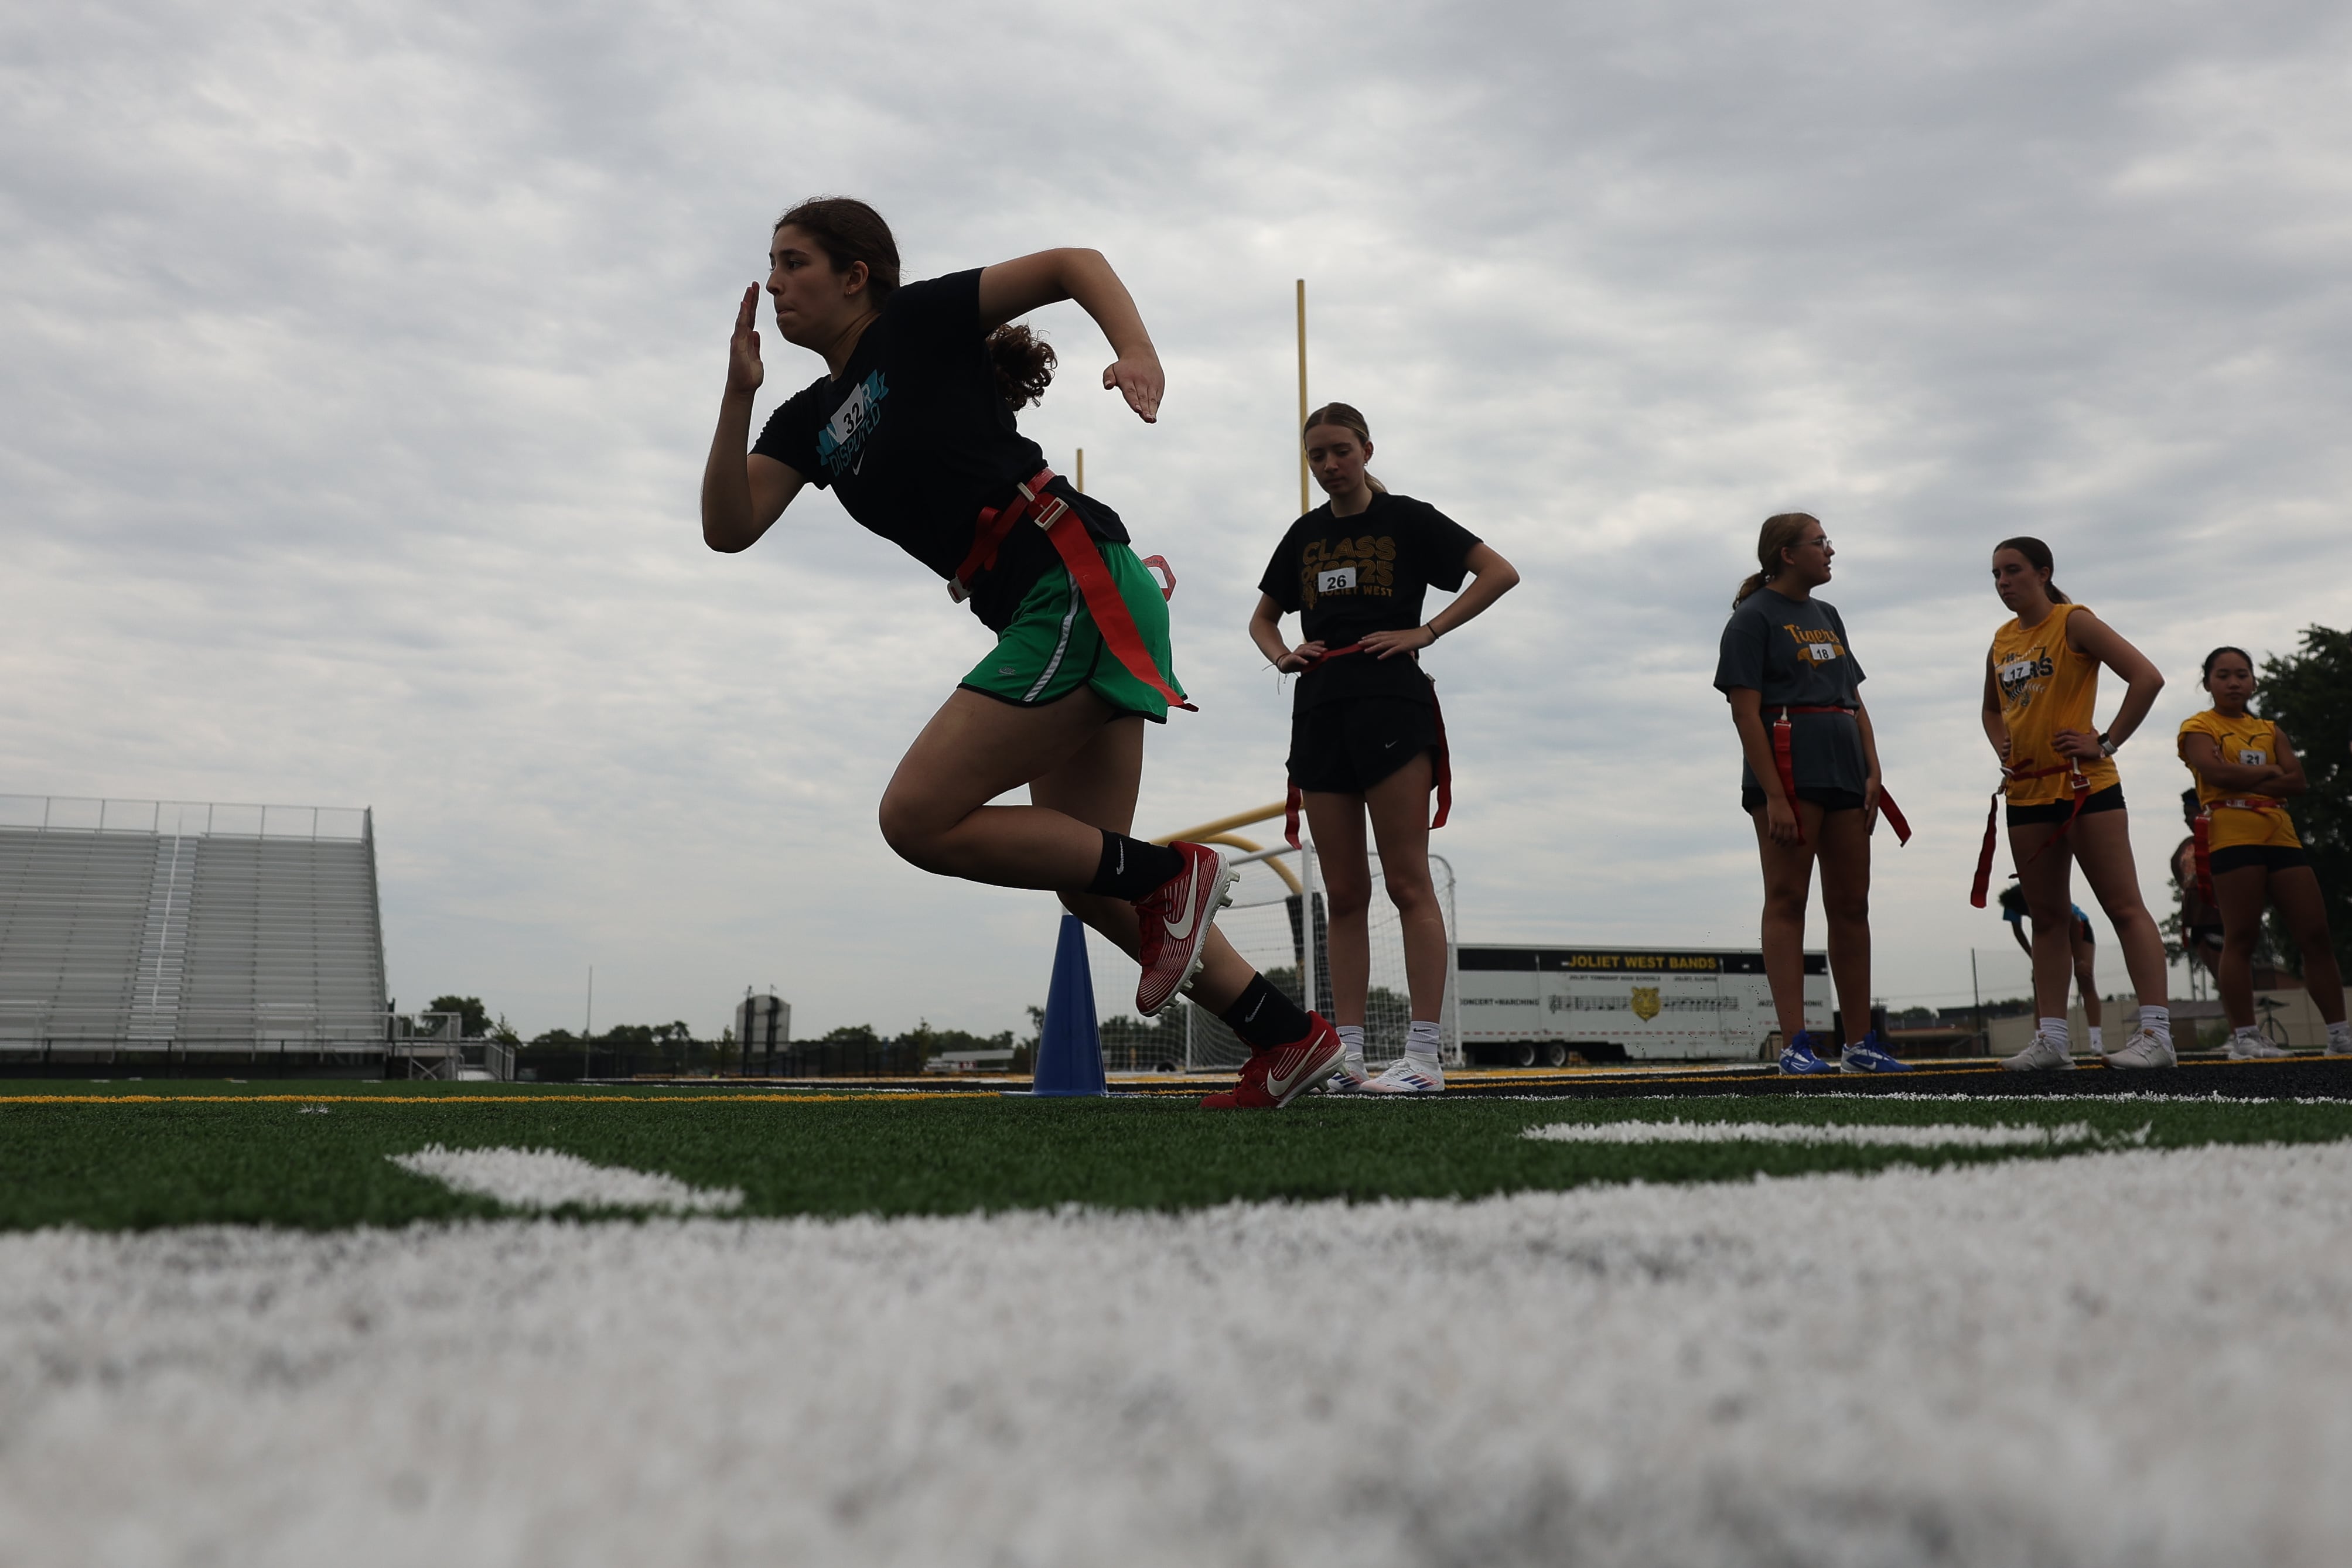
<point>2080,785</point>
<point>1442,765</point>
<point>1783,732</point>
<point>1087,573</point>
<point>2201,833</point>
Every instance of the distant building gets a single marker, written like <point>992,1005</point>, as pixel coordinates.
<point>765,1026</point>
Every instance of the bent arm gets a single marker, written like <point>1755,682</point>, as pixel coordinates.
<point>1013,289</point>
<point>741,495</point>
<point>2290,780</point>
<point>2203,755</point>
<point>1491,577</point>
<point>2087,633</point>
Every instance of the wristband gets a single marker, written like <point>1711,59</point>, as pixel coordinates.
<point>1432,631</point>
<point>2106,747</point>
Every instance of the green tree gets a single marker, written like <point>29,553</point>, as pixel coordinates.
<point>2308,693</point>
<point>477,1016</point>
<point>851,1034</point>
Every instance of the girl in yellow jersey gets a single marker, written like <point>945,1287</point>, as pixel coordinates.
<point>2244,768</point>
<point>2065,800</point>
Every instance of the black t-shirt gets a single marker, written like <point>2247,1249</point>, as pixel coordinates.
<point>915,439</point>
<point>1795,653</point>
<point>1343,576</point>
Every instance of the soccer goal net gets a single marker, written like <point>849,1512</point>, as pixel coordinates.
<point>1277,922</point>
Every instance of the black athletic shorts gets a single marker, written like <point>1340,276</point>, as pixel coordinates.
<point>2277,857</point>
<point>1751,799</point>
<point>1346,746</point>
<point>2055,813</point>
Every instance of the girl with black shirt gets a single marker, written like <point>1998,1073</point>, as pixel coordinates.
<point>1785,658</point>
<point>913,428</point>
<point>1364,734</point>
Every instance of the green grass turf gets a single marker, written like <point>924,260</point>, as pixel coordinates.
<point>179,1160</point>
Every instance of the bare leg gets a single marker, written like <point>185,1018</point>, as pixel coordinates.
<point>1788,882</point>
<point>2047,879</point>
<point>1096,787</point>
<point>2296,890</point>
<point>936,812</point>
<point>2086,981</point>
<point>1400,812</point>
<point>1337,822</point>
<point>2241,895</point>
<point>1845,902</point>
<point>2103,846</point>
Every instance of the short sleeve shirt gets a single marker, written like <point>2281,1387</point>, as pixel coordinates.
<point>915,438</point>
<point>1344,577</point>
<point>1795,653</point>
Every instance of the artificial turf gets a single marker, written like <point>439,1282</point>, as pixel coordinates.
<point>265,1155</point>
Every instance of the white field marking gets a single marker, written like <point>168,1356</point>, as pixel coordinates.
<point>2092,1360</point>
<point>1944,1135</point>
<point>549,1179</point>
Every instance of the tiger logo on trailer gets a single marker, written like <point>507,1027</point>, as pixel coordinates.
<point>1645,1002</point>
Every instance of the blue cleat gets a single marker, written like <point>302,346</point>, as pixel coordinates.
<point>1798,1056</point>
<point>1869,1054</point>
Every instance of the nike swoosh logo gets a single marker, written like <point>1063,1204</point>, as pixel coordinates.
<point>1277,1082</point>
<point>1183,932</point>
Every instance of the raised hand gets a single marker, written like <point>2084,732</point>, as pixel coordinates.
<point>1138,378</point>
<point>744,370</point>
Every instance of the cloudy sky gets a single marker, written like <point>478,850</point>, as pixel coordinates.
<point>357,362</point>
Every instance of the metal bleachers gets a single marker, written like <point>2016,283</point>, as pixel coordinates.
<point>133,926</point>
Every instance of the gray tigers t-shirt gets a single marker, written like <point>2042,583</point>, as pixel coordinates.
<point>1795,653</point>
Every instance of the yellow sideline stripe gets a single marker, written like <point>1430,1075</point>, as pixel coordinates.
<point>460,1099</point>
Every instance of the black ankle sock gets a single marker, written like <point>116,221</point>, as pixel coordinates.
<point>1264,1016</point>
<point>1130,869</point>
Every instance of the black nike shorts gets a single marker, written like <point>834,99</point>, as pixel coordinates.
<point>2054,812</point>
<point>2276,857</point>
<point>1346,746</point>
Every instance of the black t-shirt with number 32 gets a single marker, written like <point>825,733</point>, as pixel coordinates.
<point>1344,577</point>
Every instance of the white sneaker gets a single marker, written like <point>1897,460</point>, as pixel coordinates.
<point>2043,1054</point>
<point>2145,1049</point>
<point>1407,1076</point>
<point>2246,1045</point>
<point>1350,1077</point>
<point>2339,1044</point>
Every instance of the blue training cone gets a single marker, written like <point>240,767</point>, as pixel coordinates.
<point>1069,1047</point>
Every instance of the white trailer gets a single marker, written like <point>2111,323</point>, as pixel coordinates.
<point>1520,1006</point>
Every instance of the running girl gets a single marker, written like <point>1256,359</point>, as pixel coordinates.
<point>2250,855</point>
<point>913,425</point>
<point>2064,799</point>
<point>2080,941</point>
<point>1811,783</point>
<point>1364,730</point>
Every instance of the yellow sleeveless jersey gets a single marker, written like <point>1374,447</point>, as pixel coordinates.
<point>2046,686</point>
<point>2250,742</point>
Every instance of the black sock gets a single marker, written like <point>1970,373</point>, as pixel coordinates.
<point>1131,869</point>
<point>1264,1016</point>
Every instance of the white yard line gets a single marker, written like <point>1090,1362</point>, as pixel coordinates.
<point>1996,1136</point>
<point>547,1178</point>
<point>2134,1358</point>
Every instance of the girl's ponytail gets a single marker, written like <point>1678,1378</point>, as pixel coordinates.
<point>1024,364</point>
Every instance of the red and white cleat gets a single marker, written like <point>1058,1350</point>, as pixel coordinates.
<point>1174,924</point>
<point>1273,1079</point>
